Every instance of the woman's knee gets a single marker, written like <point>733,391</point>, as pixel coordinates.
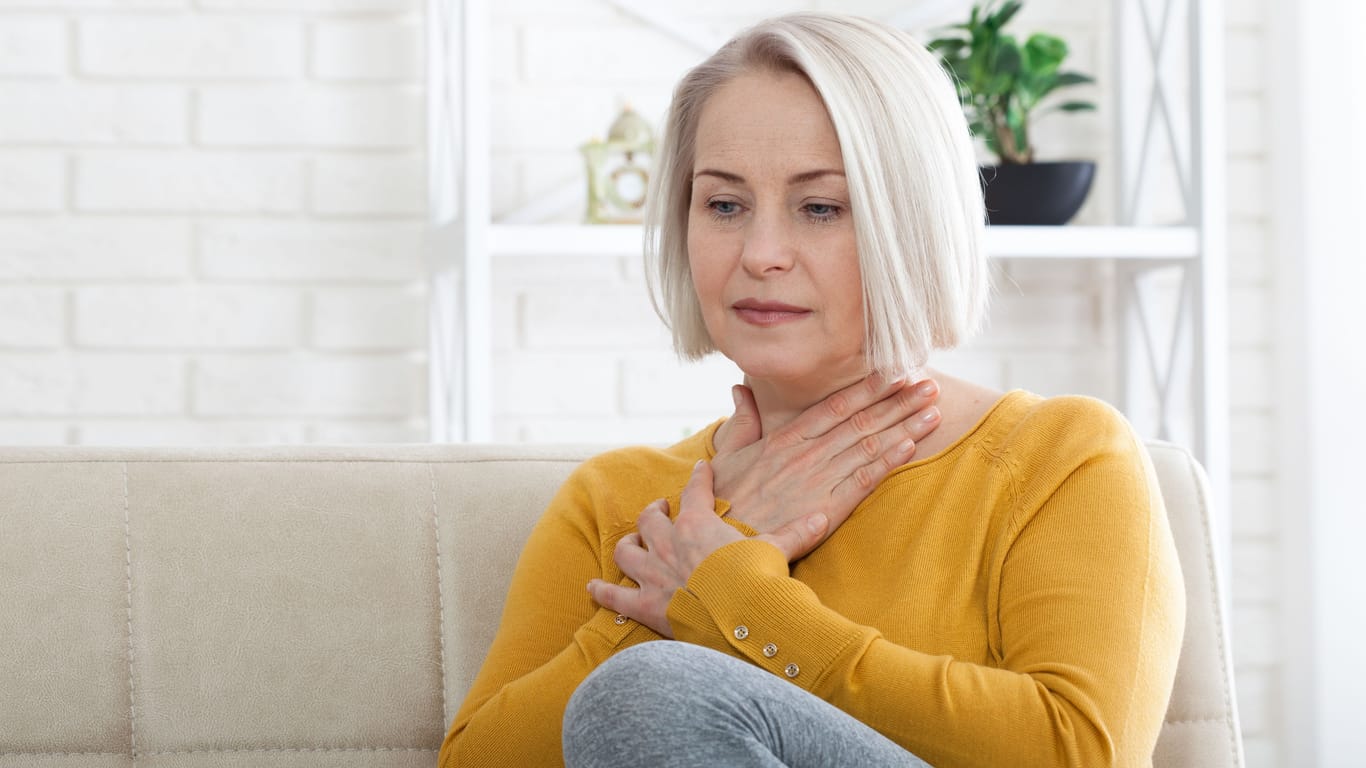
<point>639,674</point>
<point>655,704</point>
<point>647,681</point>
<point>616,700</point>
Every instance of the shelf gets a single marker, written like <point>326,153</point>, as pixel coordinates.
<point>1141,243</point>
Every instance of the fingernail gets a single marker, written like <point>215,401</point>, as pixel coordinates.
<point>906,447</point>
<point>735,395</point>
<point>929,414</point>
<point>926,388</point>
<point>699,464</point>
<point>814,524</point>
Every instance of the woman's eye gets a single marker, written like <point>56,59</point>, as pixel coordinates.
<point>723,208</point>
<point>822,211</point>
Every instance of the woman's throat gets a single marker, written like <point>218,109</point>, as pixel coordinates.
<point>780,402</point>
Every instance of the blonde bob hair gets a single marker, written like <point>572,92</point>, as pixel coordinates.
<point>914,188</point>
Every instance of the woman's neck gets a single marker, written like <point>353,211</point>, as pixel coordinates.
<point>781,402</point>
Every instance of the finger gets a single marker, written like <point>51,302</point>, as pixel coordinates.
<point>653,524</point>
<point>898,409</point>
<point>698,496</point>
<point>888,449</point>
<point>615,597</point>
<point>743,427</point>
<point>799,536</point>
<point>652,515</point>
<point>842,405</point>
<point>858,483</point>
<point>650,610</point>
<point>642,565</point>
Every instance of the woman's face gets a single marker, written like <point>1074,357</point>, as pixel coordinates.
<point>770,236</point>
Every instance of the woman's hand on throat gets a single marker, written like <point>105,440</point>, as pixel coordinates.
<point>826,460</point>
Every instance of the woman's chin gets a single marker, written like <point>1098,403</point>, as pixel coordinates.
<point>785,374</point>
<point>772,370</point>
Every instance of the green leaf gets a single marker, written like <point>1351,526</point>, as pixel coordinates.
<point>1074,78</point>
<point>1001,80</point>
<point>948,47</point>
<point>1008,57</point>
<point>1033,86</point>
<point>1045,52</point>
<point>1005,14</point>
<point>999,84</point>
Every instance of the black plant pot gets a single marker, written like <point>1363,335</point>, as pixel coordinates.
<point>1046,194</point>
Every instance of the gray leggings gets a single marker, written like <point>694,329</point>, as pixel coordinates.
<point>673,704</point>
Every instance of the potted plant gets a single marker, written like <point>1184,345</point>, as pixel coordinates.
<point>1002,83</point>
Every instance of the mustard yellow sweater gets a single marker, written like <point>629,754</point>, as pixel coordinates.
<point>1014,600</point>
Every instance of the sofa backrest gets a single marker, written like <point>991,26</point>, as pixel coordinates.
<point>309,606</point>
<point>1201,726</point>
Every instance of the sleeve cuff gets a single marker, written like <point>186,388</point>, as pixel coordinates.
<point>742,600</point>
<point>619,631</point>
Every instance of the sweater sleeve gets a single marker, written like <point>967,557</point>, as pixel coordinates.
<point>1086,620</point>
<point>551,636</point>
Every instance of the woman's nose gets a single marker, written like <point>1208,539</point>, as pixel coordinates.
<point>769,246</point>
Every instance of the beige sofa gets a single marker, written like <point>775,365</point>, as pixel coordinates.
<point>317,606</point>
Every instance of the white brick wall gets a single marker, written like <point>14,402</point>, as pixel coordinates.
<point>211,221</point>
<point>80,113</point>
<point>32,181</point>
<point>1256,570</point>
<point>303,384</point>
<point>393,51</point>
<point>368,318</point>
<point>350,116</point>
<point>68,383</point>
<point>32,317</point>
<point>211,231</point>
<point>72,249</point>
<point>187,181</point>
<point>191,47</point>
<point>32,46</point>
<point>305,251</point>
<point>189,317</point>
<point>347,185</point>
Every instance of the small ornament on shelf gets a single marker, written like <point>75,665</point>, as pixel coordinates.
<point>619,170</point>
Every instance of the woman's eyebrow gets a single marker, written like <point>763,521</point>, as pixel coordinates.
<point>806,176</point>
<point>723,175</point>
<point>799,178</point>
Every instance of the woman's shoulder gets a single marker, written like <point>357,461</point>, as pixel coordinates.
<point>1044,443</point>
<point>1063,424</point>
<point>606,492</point>
<point>1022,423</point>
<point>638,458</point>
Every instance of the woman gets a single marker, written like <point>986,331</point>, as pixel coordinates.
<point>1011,597</point>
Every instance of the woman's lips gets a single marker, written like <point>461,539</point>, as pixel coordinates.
<point>767,313</point>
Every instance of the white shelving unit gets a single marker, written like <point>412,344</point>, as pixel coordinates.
<point>1174,335</point>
